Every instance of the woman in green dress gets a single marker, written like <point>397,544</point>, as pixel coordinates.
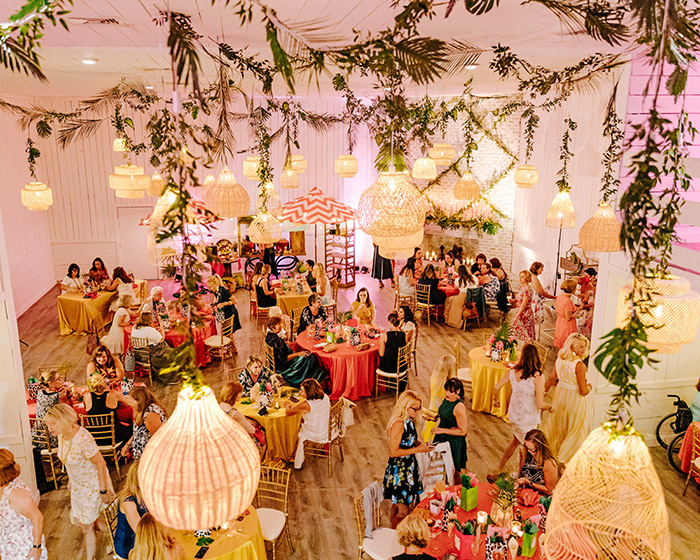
<point>452,424</point>
<point>293,366</point>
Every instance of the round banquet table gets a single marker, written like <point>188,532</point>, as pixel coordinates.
<point>289,301</point>
<point>352,371</point>
<point>441,542</point>
<point>685,453</point>
<point>242,541</point>
<point>485,375</point>
<point>281,431</point>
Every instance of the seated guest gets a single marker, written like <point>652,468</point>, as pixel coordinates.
<point>72,284</point>
<point>114,339</point>
<point>418,267</point>
<point>225,301</point>
<point>414,535</point>
<point>102,400</point>
<point>98,273</point>
<point>52,391</point>
<point>476,267</point>
<point>464,279</point>
<point>255,372</point>
<point>158,348</point>
<point>389,344</point>
<point>121,279</point>
<point>105,365</point>
<point>450,263</point>
<point>263,291</point>
<point>294,367</point>
<point>311,313</point>
<point>539,469</point>
<point>276,311</point>
<point>407,278</point>
<point>155,541</point>
<point>309,268</point>
<point>429,278</point>
<point>149,415</point>
<point>407,323</point>
<point>257,271</point>
<point>155,303</point>
<point>230,394</point>
<point>315,407</point>
<point>323,285</point>
<point>490,283</point>
<point>362,308</point>
<point>131,510</point>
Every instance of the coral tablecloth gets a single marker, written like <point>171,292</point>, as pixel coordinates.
<point>242,541</point>
<point>442,542</point>
<point>281,431</point>
<point>352,371</point>
<point>485,375</point>
<point>686,451</point>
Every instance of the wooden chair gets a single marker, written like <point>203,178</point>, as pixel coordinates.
<point>332,309</point>
<point>41,440</point>
<point>393,380</point>
<point>296,317</point>
<point>464,374</point>
<point>403,299</point>
<point>262,315</point>
<point>694,470</point>
<point>414,347</point>
<point>252,304</point>
<point>423,301</point>
<point>232,375</point>
<point>335,429</point>
<point>110,514</point>
<point>383,545</point>
<point>101,427</point>
<point>270,355</point>
<point>222,345</point>
<point>273,490</point>
<point>142,353</point>
<point>61,369</point>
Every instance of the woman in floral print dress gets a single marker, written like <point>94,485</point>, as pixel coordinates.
<point>524,322</point>
<point>402,483</point>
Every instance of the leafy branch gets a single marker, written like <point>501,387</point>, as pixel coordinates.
<point>565,154</point>
<point>612,130</point>
<point>33,154</point>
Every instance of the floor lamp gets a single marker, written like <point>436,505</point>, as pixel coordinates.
<point>560,215</point>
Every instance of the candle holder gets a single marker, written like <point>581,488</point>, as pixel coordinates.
<point>481,519</point>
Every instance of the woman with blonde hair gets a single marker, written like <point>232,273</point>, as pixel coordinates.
<point>414,535</point>
<point>566,427</point>
<point>131,510</point>
<point>323,285</point>
<point>102,400</point>
<point>114,340</point>
<point>155,542</point>
<point>445,368</point>
<point>254,373</point>
<point>402,483</point>
<point>90,484</point>
<point>149,415</point>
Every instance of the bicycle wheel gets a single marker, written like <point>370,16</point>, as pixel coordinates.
<point>664,430</point>
<point>673,449</point>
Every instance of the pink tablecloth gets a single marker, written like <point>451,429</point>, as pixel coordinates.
<point>449,291</point>
<point>442,542</point>
<point>352,371</point>
<point>686,451</point>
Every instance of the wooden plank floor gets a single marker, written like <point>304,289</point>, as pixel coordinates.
<point>321,516</point>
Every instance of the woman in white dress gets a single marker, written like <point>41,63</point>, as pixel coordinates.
<point>316,409</point>
<point>114,340</point>
<point>407,278</point>
<point>526,401</point>
<point>90,484</point>
<point>21,522</point>
<point>323,285</point>
<point>72,284</point>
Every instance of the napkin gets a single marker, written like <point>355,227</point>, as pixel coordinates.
<point>529,497</point>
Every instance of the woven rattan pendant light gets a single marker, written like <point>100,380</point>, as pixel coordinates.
<point>601,232</point>
<point>398,247</point>
<point>442,154</point>
<point>250,167</point>
<point>424,168</point>
<point>119,145</point>
<point>265,229</point>
<point>526,176</point>
<point>608,504</point>
<point>561,212</point>
<point>467,188</point>
<point>129,181</point>
<point>209,180</point>
<point>200,469</point>
<point>226,197</point>
<point>346,166</point>
<point>672,321</point>
<point>289,178</point>
<point>298,163</point>
<point>36,195</point>
<point>155,188</point>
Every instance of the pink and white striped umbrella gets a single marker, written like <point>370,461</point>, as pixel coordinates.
<point>315,207</point>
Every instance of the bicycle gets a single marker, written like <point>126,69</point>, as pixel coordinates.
<point>674,424</point>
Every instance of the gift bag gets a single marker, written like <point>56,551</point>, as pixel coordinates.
<point>463,544</point>
<point>129,361</point>
<point>496,548</point>
<point>470,492</point>
<point>529,543</point>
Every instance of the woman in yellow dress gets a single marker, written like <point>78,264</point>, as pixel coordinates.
<point>566,426</point>
<point>363,309</point>
<point>445,368</point>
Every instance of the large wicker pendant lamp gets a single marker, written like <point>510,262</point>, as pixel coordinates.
<point>398,247</point>
<point>226,197</point>
<point>561,212</point>
<point>265,229</point>
<point>601,232</point>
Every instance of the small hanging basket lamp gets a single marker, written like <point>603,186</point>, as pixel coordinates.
<point>601,232</point>
<point>467,188</point>
<point>442,154</point>
<point>299,164</point>
<point>274,204</point>
<point>155,188</point>
<point>119,145</point>
<point>561,213</point>
<point>251,166</point>
<point>265,229</point>
<point>129,181</point>
<point>289,179</point>
<point>346,166</point>
<point>226,197</point>
<point>424,168</point>
<point>36,196</point>
<point>526,176</point>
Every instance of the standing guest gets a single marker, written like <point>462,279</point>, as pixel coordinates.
<point>231,392</point>
<point>418,268</point>
<point>310,280</point>
<point>155,303</point>
<point>381,268</point>
<point>539,468</point>
<point>566,428</point>
<point>269,258</point>
<point>21,522</point>
<point>131,510</point>
<point>402,484</point>
<point>587,283</point>
<point>255,372</point>
<point>476,266</point>
<point>407,279</point>
<point>311,313</point>
<point>90,484</point>
<point>536,269</point>
<point>102,400</point>
<point>566,313</point>
<point>105,365</point>
<point>445,368</point>
<point>293,366</point>
<point>490,283</point>
<point>98,273</point>
<point>149,415</point>
<point>526,401</point>
<point>524,320</point>
<point>407,323</point>
<point>264,293</point>
<point>72,284</point>
<point>389,344</point>
<point>503,286</point>
<point>452,424</point>
<point>429,278</point>
<point>362,309</point>
<point>323,285</point>
<point>114,339</point>
<point>315,408</point>
<point>158,349</point>
<point>225,301</point>
<point>155,542</point>
<point>414,535</point>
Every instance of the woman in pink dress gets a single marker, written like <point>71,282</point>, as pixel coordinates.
<point>566,313</point>
<point>524,322</point>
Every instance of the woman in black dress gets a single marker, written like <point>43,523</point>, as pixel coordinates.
<point>389,345</point>
<point>293,366</point>
<point>452,426</point>
<point>381,268</point>
<point>225,302</point>
<point>102,400</point>
<point>263,291</point>
<point>429,278</point>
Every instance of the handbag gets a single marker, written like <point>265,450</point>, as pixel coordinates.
<point>469,311</point>
<point>92,342</point>
<point>129,361</point>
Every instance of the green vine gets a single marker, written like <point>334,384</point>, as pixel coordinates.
<point>612,130</point>
<point>565,155</point>
<point>33,154</point>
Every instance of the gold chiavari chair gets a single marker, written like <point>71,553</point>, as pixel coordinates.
<point>335,429</point>
<point>271,500</point>
<point>394,380</point>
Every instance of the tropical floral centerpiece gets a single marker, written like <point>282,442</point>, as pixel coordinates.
<point>502,344</point>
<point>504,498</point>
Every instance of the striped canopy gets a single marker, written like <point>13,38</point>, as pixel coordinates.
<point>316,208</point>
<point>195,211</point>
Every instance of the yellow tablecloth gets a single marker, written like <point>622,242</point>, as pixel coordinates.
<point>485,375</point>
<point>281,431</point>
<point>289,301</point>
<point>242,541</point>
